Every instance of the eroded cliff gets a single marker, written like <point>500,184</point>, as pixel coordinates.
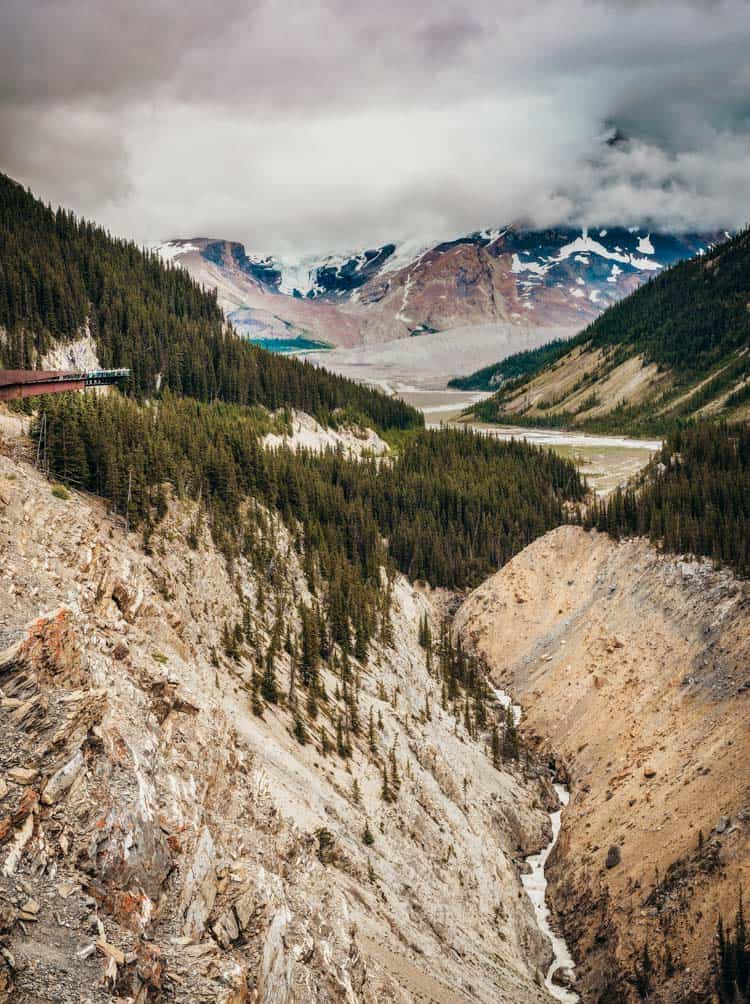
<point>632,669</point>
<point>159,841</point>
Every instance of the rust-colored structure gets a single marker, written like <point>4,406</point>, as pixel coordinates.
<point>17,384</point>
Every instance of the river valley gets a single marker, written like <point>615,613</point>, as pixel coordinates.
<point>606,461</point>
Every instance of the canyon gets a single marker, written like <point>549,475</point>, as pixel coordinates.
<point>160,841</point>
<point>631,667</point>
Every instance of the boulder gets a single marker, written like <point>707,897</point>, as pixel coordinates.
<point>722,824</point>
<point>62,780</point>
<point>614,857</point>
<point>563,977</point>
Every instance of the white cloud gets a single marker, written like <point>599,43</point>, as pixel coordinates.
<point>314,125</point>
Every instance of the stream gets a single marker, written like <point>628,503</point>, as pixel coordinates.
<point>535,884</point>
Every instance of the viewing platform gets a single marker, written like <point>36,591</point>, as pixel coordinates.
<point>17,384</point>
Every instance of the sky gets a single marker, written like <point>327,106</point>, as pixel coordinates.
<point>301,126</point>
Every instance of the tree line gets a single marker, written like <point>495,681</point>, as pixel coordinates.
<point>693,498</point>
<point>450,508</point>
<point>59,273</point>
<point>691,319</point>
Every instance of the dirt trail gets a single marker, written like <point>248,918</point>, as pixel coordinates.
<point>634,668</point>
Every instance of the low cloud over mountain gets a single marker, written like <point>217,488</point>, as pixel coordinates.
<point>335,124</point>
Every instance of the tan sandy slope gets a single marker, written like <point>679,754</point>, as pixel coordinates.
<point>634,668</point>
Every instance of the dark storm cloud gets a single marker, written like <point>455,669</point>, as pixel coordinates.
<point>343,122</point>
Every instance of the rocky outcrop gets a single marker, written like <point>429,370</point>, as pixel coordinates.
<point>79,354</point>
<point>632,669</point>
<point>160,841</point>
<point>306,433</point>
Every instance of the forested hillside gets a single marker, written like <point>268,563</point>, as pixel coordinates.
<point>675,348</point>
<point>694,497</point>
<point>59,273</point>
<point>450,508</point>
<point>520,364</point>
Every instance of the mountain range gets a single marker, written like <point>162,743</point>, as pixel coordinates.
<point>561,277</point>
<point>676,349</point>
<point>259,738</point>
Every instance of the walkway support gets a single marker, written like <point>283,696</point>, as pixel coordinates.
<point>17,384</point>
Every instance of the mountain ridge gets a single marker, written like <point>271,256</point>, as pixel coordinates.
<point>561,276</point>
<point>677,348</point>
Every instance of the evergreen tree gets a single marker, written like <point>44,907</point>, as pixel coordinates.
<point>255,701</point>
<point>268,687</point>
<point>300,732</point>
<point>510,736</point>
<point>386,792</point>
<point>395,778</point>
<point>495,748</point>
<point>371,741</point>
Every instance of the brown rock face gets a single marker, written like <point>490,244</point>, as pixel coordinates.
<point>161,842</point>
<point>632,667</point>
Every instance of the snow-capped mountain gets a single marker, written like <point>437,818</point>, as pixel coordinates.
<point>560,276</point>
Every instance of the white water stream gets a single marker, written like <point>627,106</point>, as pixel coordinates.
<point>535,884</point>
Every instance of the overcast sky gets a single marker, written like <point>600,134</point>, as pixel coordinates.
<point>296,125</point>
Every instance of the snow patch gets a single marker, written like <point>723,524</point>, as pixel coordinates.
<point>612,277</point>
<point>171,250</point>
<point>517,266</point>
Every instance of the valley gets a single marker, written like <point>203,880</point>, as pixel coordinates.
<point>262,618</point>
<point>677,349</point>
<point>631,667</point>
<point>193,846</point>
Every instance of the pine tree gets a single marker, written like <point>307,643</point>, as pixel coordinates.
<point>495,748</point>
<point>342,747</point>
<point>385,792</point>
<point>255,701</point>
<point>268,686</point>
<point>395,778</point>
<point>300,733</point>
<point>312,701</point>
<point>371,733</point>
<point>510,736</point>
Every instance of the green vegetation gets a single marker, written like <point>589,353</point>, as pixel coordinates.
<point>454,506</point>
<point>58,273</point>
<point>733,961</point>
<point>449,507</point>
<point>694,496</point>
<point>689,317</point>
<point>519,365</point>
<point>691,320</point>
